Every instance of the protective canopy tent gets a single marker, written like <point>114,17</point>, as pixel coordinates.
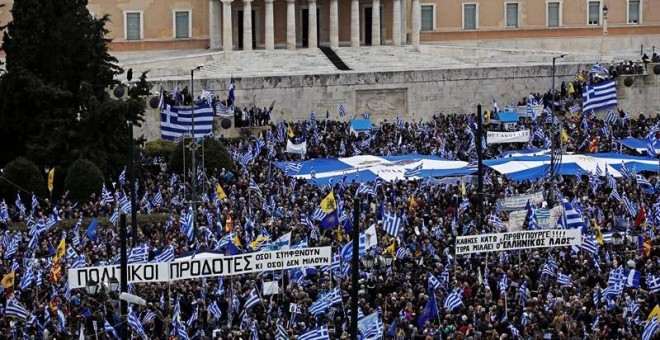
<point>366,168</point>
<point>360,125</point>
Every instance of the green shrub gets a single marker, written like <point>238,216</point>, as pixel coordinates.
<point>103,221</point>
<point>83,180</point>
<point>159,148</point>
<point>24,174</point>
<point>216,156</point>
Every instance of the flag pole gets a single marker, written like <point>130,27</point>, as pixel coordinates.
<point>355,262</point>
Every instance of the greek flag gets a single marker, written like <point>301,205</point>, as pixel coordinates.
<point>574,219</point>
<point>135,324</point>
<point>35,203</point>
<point>139,254</point>
<point>177,121</point>
<point>292,166</point>
<point>653,283</point>
<point>611,117</point>
<point>14,308</point>
<point>564,280</point>
<point>588,245</point>
<point>186,222</point>
<point>342,110</point>
<point>253,300</point>
<point>651,328</point>
<point>599,96</point>
<point>392,224</point>
<point>453,301</point>
<point>413,172</point>
<point>110,330</point>
<point>319,333</point>
<point>281,333</point>
<point>319,306</point>
<point>433,282</point>
<point>215,310</point>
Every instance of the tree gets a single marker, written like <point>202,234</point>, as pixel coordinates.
<point>21,175</point>
<point>83,180</point>
<point>216,156</point>
<point>54,104</point>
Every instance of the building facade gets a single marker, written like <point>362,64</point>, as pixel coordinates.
<point>269,24</point>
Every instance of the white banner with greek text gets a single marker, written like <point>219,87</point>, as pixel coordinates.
<point>520,201</point>
<point>497,137</point>
<point>211,266</point>
<point>518,240</point>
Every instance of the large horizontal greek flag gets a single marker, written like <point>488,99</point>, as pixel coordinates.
<point>177,121</point>
<point>366,168</point>
<point>599,96</point>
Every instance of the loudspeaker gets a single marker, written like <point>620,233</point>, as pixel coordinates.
<point>153,102</point>
<point>628,81</point>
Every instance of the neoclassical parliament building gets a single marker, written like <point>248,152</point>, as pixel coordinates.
<point>289,24</point>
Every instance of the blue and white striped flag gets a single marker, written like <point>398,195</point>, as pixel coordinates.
<point>319,333</point>
<point>14,308</point>
<point>392,224</point>
<point>599,96</point>
<point>453,301</point>
<point>342,110</point>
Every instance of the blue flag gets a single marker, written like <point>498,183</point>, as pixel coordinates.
<point>91,230</point>
<point>430,311</point>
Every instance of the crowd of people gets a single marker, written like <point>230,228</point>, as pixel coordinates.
<point>416,285</point>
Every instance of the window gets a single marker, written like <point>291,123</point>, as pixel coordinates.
<point>512,15</point>
<point>181,24</point>
<point>428,17</point>
<point>594,13</point>
<point>633,12</point>
<point>133,25</point>
<point>553,14</point>
<point>470,18</point>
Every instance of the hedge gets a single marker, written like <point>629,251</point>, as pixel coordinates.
<point>68,224</point>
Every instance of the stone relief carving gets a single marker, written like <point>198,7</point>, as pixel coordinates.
<point>382,104</point>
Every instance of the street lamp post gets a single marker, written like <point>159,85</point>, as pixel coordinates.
<point>194,152</point>
<point>553,153</point>
<point>605,10</point>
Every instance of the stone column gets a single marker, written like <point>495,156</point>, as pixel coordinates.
<point>404,22</point>
<point>291,24</point>
<point>375,23</point>
<point>313,38</point>
<point>214,24</point>
<point>396,22</point>
<point>227,38</point>
<point>270,34</point>
<point>416,22</point>
<point>355,23</point>
<point>334,24</point>
<point>247,25</point>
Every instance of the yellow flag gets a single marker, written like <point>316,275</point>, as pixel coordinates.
<point>8,280</point>
<point>412,204</point>
<point>654,312</point>
<point>51,177</point>
<point>487,117</point>
<point>564,136</point>
<point>599,235</point>
<point>329,204</point>
<point>390,249</point>
<point>289,130</point>
<point>61,250</point>
<point>463,188</point>
<point>237,241</point>
<point>339,235</point>
<point>260,239</point>
<point>221,193</point>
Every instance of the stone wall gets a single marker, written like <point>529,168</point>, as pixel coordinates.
<point>413,95</point>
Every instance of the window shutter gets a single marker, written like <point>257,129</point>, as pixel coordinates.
<point>470,16</point>
<point>553,14</point>
<point>427,18</point>
<point>633,12</point>
<point>594,16</point>
<point>511,15</point>
<point>182,21</point>
<point>133,26</point>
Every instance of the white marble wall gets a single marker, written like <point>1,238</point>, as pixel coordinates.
<point>412,95</point>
